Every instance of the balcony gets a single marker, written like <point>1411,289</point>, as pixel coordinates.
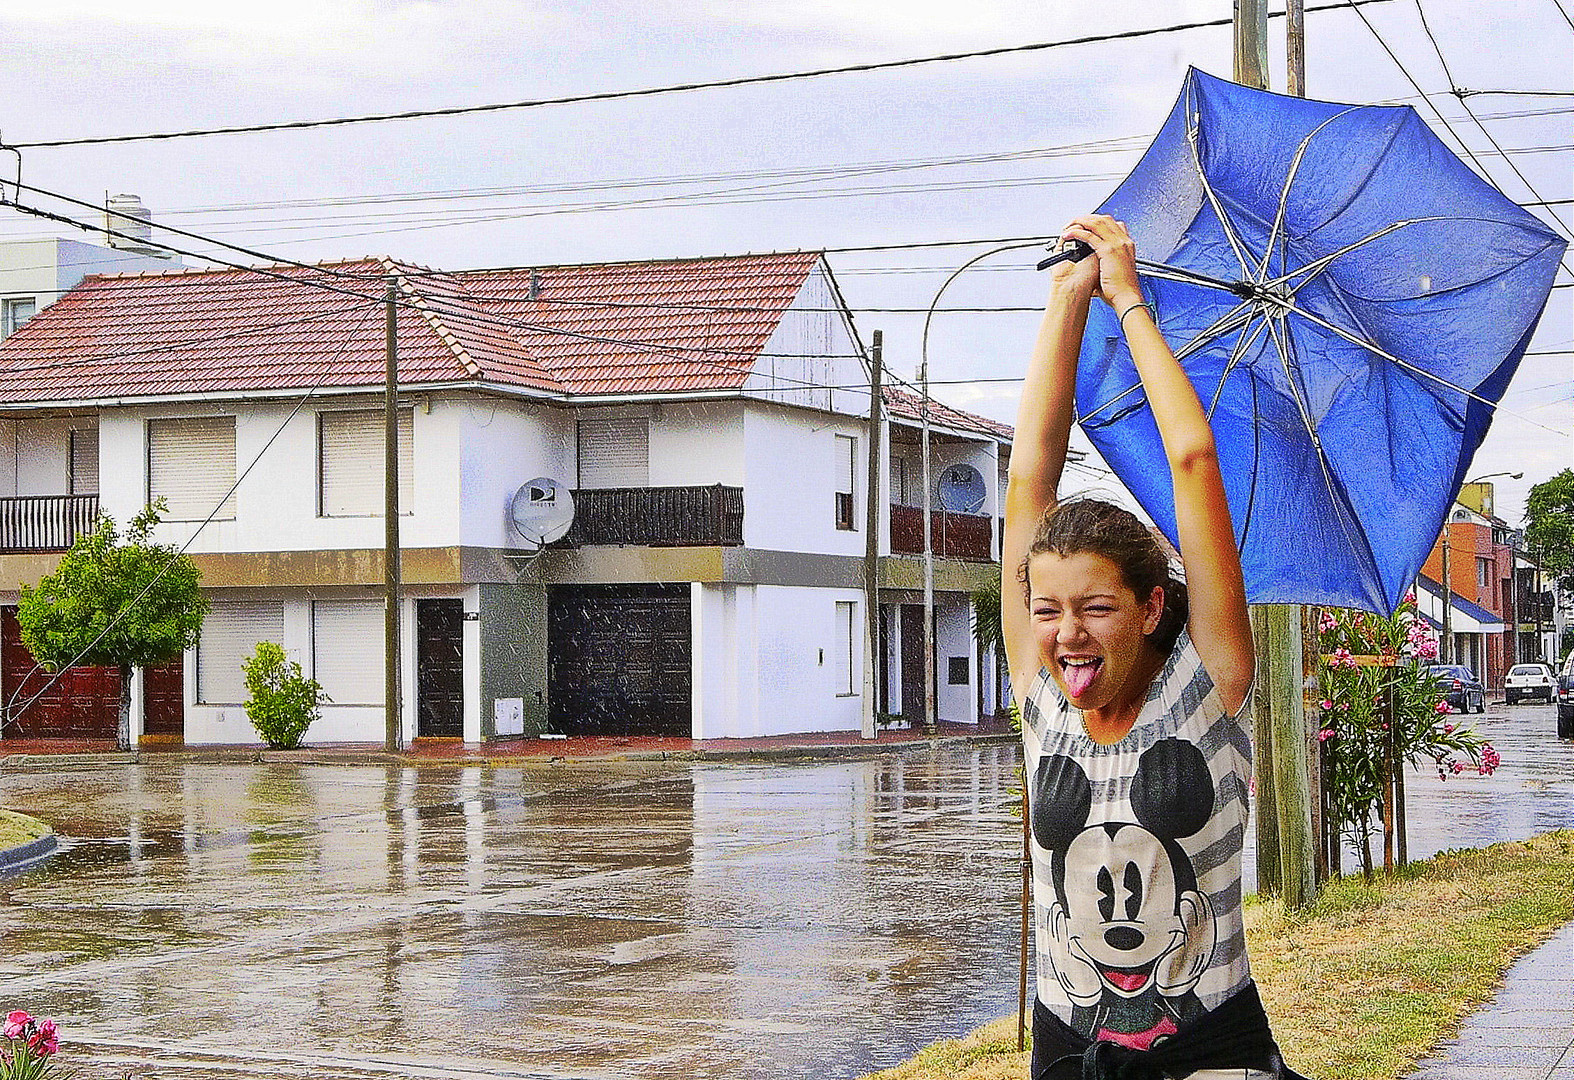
<point>955,536</point>
<point>32,523</point>
<point>658,517</point>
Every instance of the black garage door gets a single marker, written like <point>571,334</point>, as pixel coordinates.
<point>619,657</point>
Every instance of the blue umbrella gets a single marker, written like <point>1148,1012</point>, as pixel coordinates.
<point>1350,301</point>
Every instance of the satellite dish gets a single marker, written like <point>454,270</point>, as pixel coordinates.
<point>962,489</point>
<point>541,511</point>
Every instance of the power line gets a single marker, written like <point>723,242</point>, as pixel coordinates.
<point>676,88</point>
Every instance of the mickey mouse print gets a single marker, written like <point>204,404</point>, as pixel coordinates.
<point>1138,921</point>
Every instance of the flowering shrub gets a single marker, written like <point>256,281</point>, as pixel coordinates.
<point>29,1046</point>
<point>1366,738</point>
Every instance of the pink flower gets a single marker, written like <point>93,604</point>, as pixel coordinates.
<point>1342,658</point>
<point>1325,734</point>
<point>46,1040</point>
<point>1457,767</point>
<point>1326,622</point>
<point>1325,704</point>
<point>1442,708</point>
<point>15,1023</point>
<point>1448,729</point>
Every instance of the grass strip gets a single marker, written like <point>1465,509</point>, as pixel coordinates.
<point>18,829</point>
<point>1372,977</point>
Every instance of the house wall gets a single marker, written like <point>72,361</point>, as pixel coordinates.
<point>765,661</point>
<point>512,655</point>
<point>813,359</point>
<point>790,468</point>
<point>501,445</point>
<point>698,444</point>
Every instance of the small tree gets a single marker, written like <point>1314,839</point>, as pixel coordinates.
<point>283,703</point>
<point>1377,715</point>
<point>1549,526</point>
<point>116,601</point>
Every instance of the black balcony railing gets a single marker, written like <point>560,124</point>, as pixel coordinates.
<point>955,536</point>
<point>45,522</point>
<point>658,517</point>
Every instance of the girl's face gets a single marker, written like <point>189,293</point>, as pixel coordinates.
<point>1091,628</point>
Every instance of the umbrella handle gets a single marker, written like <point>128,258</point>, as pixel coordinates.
<point>1076,251</point>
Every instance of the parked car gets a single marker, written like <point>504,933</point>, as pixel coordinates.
<point>1565,696</point>
<point>1528,681</point>
<point>1459,687</point>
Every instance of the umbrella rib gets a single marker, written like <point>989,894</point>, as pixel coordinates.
<point>1317,442</point>
<point>1192,133</point>
<point>1370,347</point>
<point>1289,179</point>
<point>1219,326</point>
<point>1236,356</point>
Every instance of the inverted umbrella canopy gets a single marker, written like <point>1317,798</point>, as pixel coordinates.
<point>1350,302</point>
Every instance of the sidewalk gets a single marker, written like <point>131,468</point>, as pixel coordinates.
<point>1526,1032</point>
<point>20,752</point>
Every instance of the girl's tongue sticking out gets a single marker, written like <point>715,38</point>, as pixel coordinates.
<point>1080,674</point>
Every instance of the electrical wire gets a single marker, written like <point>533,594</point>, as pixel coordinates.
<point>676,88</point>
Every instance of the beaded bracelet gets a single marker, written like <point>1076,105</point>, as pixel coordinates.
<point>1134,307</point>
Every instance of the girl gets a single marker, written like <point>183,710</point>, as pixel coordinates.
<point>1133,687</point>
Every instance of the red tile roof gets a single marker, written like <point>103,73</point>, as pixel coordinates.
<point>620,328</point>
<point>905,406</point>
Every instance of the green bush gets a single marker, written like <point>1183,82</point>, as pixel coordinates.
<point>283,703</point>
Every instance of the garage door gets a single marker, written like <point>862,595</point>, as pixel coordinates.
<point>84,703</point>
<point>619,659</point>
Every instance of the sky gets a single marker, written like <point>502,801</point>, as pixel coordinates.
<point>993,147</point>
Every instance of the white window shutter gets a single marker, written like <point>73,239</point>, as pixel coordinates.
<point>351,462</point>
<point>347,650</point>
<point>84,461</point>
<point>191,463</point>
<point>614,453</point>
<point>230,634</point>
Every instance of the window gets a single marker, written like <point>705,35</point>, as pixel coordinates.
<point>846,647</point>
<point>614,453</point>
<point>191,463</point>
<point>15,312</point>
<point>84,461</point>
<point>1484,574</point>
<point>956,671</point>
<point>898,481</point>
<point>347,650</point>
<point>845,465</point>
<point>230,634</point>
<point>350,460</point>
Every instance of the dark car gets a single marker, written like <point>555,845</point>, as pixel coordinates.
<point>1565,694</point>
<point>1459,687</point>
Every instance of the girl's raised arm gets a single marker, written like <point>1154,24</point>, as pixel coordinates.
<point>1038,449</point>
<point>1219,625</point>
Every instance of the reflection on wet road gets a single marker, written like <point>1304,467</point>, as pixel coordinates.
<point>590,920</point>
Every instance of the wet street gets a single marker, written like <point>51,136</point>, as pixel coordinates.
<point>601,919</point>
<point>594,920</point>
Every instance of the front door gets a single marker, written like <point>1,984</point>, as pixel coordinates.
<point>913,663</point>
<point>164,700</point>
<point>440,669</point>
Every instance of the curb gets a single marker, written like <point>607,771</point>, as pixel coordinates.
<point>13,860</point>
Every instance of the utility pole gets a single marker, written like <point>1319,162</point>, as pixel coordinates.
<point>929,564</point>
<point>391,727</point>
<point>1445,644</point>
<point>872,503</point>
<point>1284,836</point>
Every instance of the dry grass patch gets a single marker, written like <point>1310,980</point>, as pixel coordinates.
<point>18,829</point>
<point>1373,976</point>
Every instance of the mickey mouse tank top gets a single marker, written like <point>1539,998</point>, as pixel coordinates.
<point>1137,856</point>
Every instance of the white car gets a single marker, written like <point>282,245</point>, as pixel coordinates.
<point>1529,681</point>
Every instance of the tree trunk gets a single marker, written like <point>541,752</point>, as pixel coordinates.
<point>1366,848</point>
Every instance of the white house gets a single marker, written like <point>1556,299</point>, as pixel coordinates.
<point>709,416</point>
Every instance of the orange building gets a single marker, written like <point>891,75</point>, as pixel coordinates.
<point>1480,569</point>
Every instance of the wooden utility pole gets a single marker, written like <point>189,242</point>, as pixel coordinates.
<point>391,727</point>
<point>872,504</point>
<point>1284,834</point>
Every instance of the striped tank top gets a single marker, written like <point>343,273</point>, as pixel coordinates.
<point>1137,856</point>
